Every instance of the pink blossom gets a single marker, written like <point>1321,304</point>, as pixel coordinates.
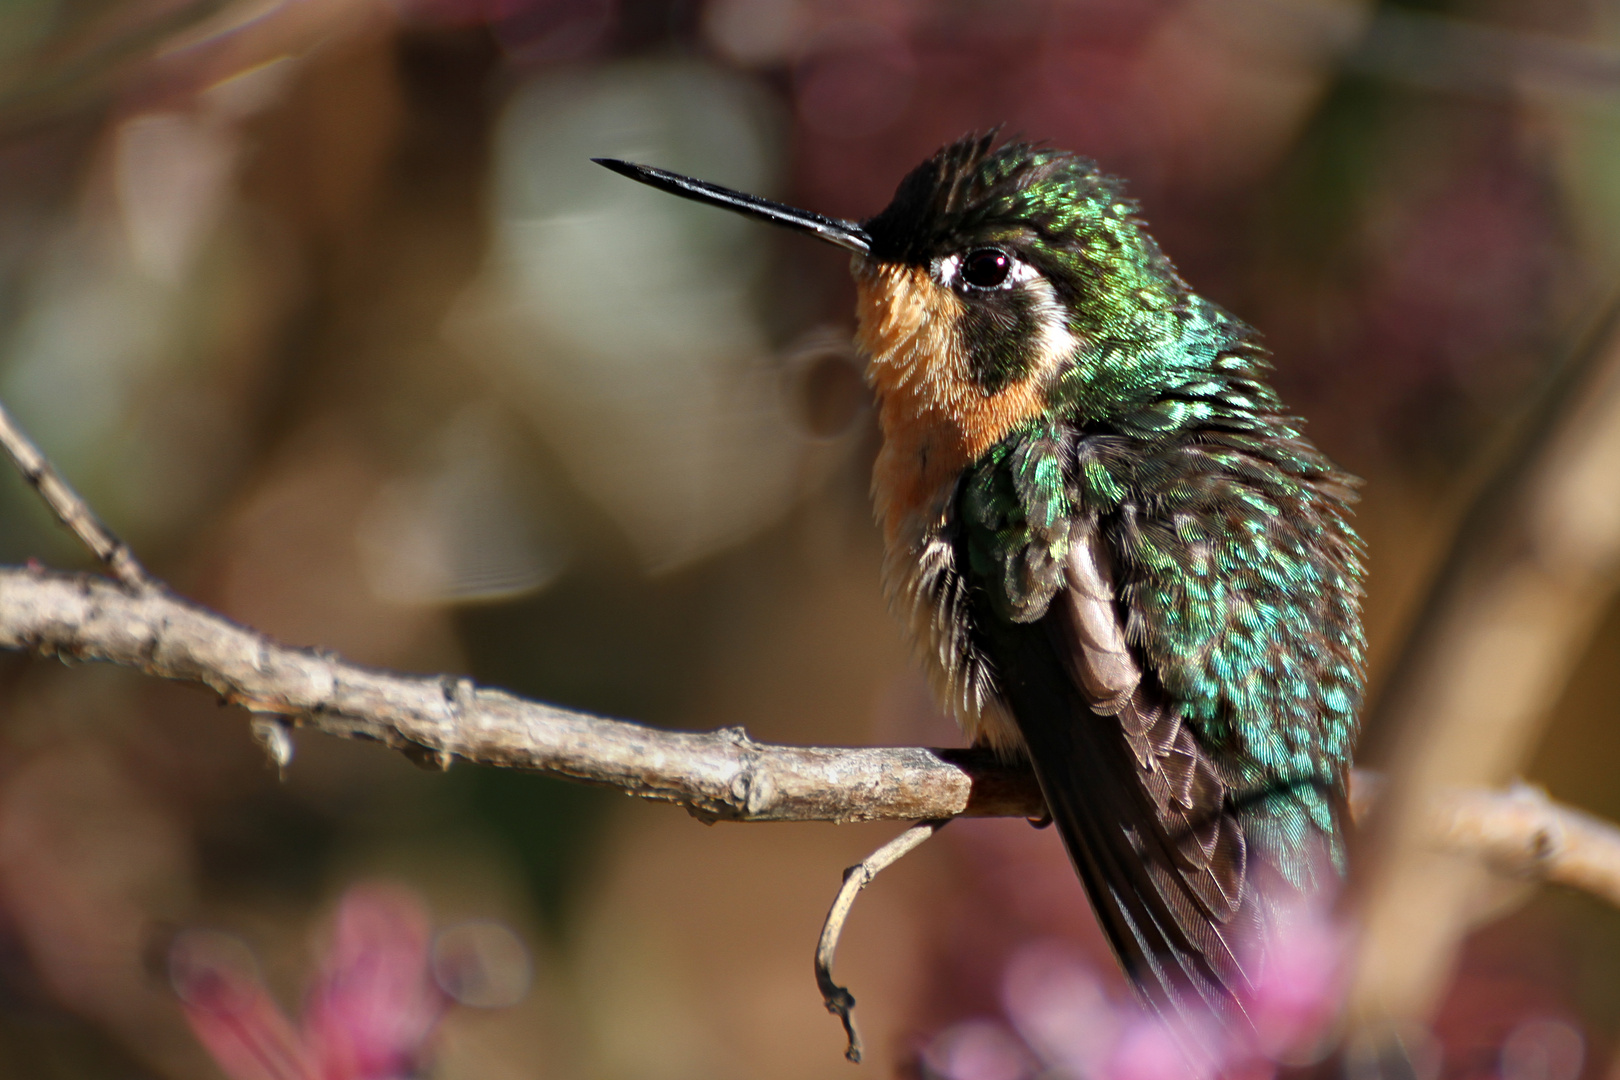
<point>1297,986</point>
<point>232,1014</point>
<point>371,1014</point>
<point>376,1003</point>
<point>1063,1024</point>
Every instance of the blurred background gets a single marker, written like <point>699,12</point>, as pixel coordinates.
<point>322,306</point>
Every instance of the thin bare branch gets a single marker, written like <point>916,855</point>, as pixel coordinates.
<point>719,775</point>
<point>69,508</point>
<point>839,1001</point>
<point>1524,833</point>
<point>716,775</point>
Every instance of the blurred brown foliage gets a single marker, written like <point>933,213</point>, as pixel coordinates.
<point>323,308</point>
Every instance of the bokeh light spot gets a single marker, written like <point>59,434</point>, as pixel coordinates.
<point>1543,1049</point>
<point>482,963</point>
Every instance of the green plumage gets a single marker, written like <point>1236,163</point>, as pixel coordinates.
<point>1239,571</point>
<point>1239,574</point>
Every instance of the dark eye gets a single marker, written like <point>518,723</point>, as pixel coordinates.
<point>986,268</point>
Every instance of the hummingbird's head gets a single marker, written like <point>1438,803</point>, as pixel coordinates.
<point>1035,259</point>
<point>991,275</point>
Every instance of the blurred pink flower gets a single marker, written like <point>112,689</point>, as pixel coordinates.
<point>1062,1024</point>
<point>1298,985</point>
<point>370,1016</point>
<point>376,1003</point>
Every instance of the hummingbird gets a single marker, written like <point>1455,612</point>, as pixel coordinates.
<point>1115,549</point>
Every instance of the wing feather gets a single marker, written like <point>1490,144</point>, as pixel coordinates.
<point>1140,804</point>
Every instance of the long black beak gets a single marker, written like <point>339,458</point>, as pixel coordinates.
<point>846,234</point>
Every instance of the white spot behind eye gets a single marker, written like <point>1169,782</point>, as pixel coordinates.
<point>1058,343</point>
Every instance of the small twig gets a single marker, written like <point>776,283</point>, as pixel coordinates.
<point>839,1001</point>
<point>1522,832</point>
<point>70,509</point>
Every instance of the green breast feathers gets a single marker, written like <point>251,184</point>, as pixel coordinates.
<point>1235,574</point>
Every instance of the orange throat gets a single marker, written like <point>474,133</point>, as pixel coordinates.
<point>935,417</point>
<point>937,421</point>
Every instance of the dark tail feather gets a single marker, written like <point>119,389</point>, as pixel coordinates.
<point>1185,872</point>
